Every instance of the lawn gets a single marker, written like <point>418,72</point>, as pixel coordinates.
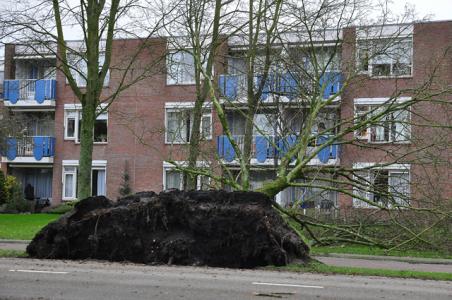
<point>23,226</point>
<point>366,250</point>
<point>12,253</point>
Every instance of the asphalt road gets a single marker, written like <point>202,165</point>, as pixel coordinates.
<point>51,279</point>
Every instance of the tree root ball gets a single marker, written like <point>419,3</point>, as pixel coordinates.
<point>213,228</point>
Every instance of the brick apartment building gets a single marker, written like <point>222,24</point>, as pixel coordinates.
<point>136,133</point>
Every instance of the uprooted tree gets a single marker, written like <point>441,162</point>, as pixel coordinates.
<point>282,123</point>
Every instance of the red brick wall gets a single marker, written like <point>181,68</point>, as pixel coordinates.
<point>431,41</point>
<point>136,118</point>
<point>135,122</point>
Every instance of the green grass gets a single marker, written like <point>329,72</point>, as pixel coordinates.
<point>12,253</point>
<point>23,226</point>
<point>365,250</point>
<point>317,267</point>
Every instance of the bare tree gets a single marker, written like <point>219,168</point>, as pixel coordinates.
<point>197,25</point>
<point>42,27</point>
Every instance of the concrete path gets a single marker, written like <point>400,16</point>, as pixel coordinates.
<point>384,264</point>
<point>57,279</point>
<point>414,260</point>
<point>19,245</point>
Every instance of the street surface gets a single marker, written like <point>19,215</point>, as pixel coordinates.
<point>54,279</point>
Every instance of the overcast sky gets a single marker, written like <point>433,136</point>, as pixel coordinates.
<point>436,9</point>
<point>432,9</point>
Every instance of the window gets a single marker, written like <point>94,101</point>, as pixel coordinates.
<point>324,58</point>
<point>174,179</point>
<point>180,68</point>
<point>2,71</point>
<point>385,57</point>
<point>179,122</point>
<point>206,125</point>
<point>73,125</point>
<point>79,69</point>
<point>100,129</point>
<point>391,127</point>
<point>385,186</point>
<point>236,65</point>
<point>69,183</point>
<point>98,180</point>
<point>309,197</point>
<point>69,133</point>
<point>204,183</point>
<point>264,124</point>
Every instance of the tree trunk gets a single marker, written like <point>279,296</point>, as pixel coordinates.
<point>247,144</point>
<point>274,187</point>
<point>86,151</point>
<point>194,143</point>
<point>202,90</point>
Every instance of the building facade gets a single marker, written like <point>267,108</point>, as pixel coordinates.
<point>151,121</point>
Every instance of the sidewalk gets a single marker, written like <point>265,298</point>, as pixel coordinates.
<point>409,259</point>
<point>387,262</point>
<point>19,245</point>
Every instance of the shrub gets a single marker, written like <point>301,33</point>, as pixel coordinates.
<point>15,198</point>
<point>62,208</point>
<point>125,189</point>
<point>3,193</point>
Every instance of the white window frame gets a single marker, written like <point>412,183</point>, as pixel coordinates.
<point>170,80</point>
<point>102,116</point>
<point>74,183</point>
<point>368,168</point>
<point>165,170</point>
<point>370,40</point>
<point>2,68</point>
<point>77,110</point>
<point>181,106</point>
<point>171,167</point>
<point>96,165</point>
<point>206,115</point>
<point>79,79</point>
<point>372,103</point>
<point>68,115</point>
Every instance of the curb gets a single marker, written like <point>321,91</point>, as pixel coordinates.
<point>413,260</point>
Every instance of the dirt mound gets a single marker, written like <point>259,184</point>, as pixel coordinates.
<point>214,228</point>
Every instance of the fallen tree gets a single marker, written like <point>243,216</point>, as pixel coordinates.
<point>214,228</point>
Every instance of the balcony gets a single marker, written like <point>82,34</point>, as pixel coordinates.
<point>262,148</point>
<point>30,149</point>
<point>29,92</point>
<point>234,87</point>
<point>264,151</point>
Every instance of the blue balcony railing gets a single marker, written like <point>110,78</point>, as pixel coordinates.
<point>30,146</point>
<point>263,147</point>
<point>38,90</point>
<point>233,87</point>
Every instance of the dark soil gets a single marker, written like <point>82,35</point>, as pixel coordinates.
<point>214,228</point>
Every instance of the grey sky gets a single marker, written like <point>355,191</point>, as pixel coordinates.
<point>433,9</point>
<point>436,9</point>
